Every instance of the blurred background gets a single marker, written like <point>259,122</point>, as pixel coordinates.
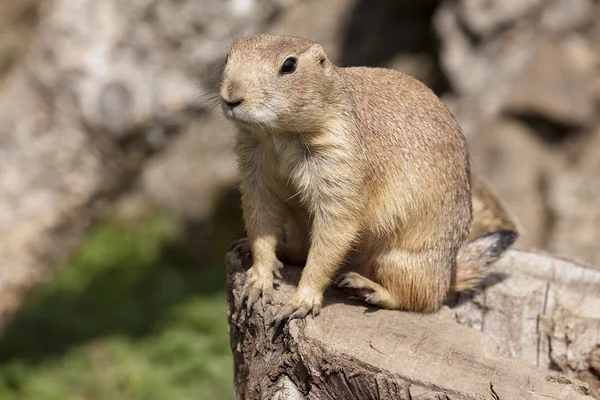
<point>117,184</point>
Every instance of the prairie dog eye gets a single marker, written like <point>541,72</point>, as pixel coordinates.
<point>289,65</point>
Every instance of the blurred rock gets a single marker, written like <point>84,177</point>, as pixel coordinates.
<point>389,33</point>
<point>18,22</point>
<point>103,86</point>
<point>498,68</point>
<point>575,204</point>
<point>189,175</point>
<point>485,17</point>
<point>323,22</point>
<point>550,88</point>
<point>563,16</point>
<point>526,82</point>
<point>518,165</point>
<point>476,67</point>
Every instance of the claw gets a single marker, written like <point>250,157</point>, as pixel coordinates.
<point>345,282</point>
<point>245,292</point>
<point>300,312</point>
<point>316,310</point>
<point>290,312</point>
<point>277,269</point>
<point>277,325</point>
<point>239,320</point>
<point>275,322</point>
<point>279,319</point>
<point>257,286</point>
<point>282,315</point>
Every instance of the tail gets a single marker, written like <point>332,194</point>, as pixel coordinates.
<point>478,253</point>
<point>489,212</point>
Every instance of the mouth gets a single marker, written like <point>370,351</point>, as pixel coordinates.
<point>247,117</point>
<point>228,112</point>
<point>235,114</point>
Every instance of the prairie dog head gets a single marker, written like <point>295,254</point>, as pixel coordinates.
<point>276,83</point>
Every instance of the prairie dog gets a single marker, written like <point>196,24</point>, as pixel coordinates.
<point>357,167</point>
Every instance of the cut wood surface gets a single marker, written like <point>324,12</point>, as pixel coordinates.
<point>542,309</point>
<point>352,351</point>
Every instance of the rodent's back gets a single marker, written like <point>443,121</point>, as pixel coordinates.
<point>402,118</point>
<point>413,142</point>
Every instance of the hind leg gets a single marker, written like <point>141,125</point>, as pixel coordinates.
<point>398,279</point>
<point>363,288</point>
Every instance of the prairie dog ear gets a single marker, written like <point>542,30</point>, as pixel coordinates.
<point>319,54</point>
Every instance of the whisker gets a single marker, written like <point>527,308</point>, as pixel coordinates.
<point>204,119</point>
<point>200,97</point>
<point>229,28</point>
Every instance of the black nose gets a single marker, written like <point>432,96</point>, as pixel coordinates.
<point>232,103</point>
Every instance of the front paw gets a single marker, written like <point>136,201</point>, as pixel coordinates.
<point>259,285</point>
<point>299,307</point>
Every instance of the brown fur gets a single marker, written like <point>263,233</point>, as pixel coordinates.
<point>359,165</point>
<point>489,214</point>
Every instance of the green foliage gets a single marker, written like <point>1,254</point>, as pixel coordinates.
<point>131,316</point>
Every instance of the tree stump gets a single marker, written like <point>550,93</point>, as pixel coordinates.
<point>354,351</point>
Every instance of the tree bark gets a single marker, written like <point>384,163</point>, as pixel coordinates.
<point>353,351</point>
